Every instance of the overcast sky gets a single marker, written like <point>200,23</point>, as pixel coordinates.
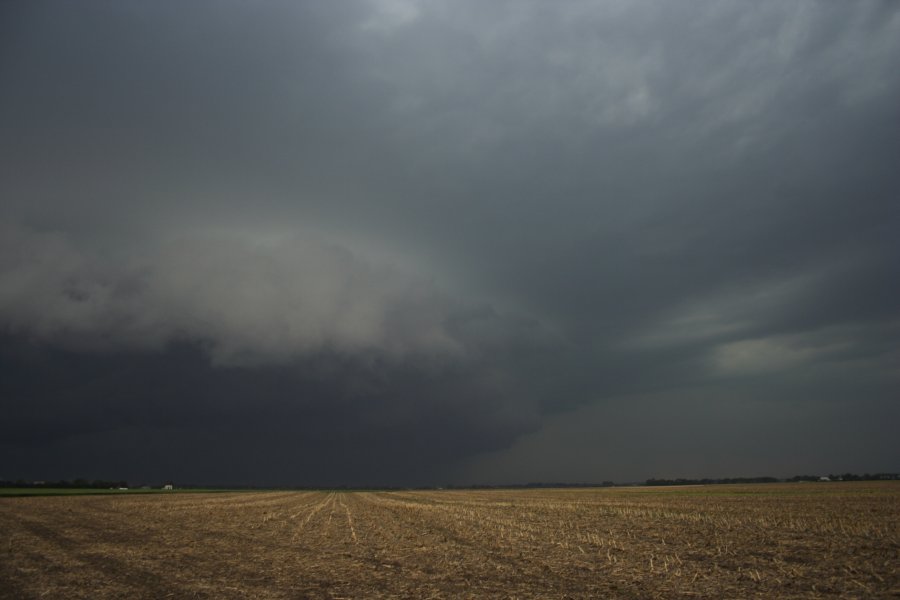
<point>427,242</point>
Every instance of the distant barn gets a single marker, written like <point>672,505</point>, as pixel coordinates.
<point>168,486</point>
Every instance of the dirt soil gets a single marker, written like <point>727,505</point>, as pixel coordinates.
<point>762,541</point>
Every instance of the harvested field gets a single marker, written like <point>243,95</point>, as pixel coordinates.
<point>766,541</point>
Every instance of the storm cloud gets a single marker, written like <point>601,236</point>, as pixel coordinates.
<point>404,241</point>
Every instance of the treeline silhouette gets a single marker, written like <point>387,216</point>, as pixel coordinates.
<point>849,477</point>
<point>107,484</point>
<point>795,478</point>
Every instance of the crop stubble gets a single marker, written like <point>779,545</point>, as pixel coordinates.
<point>787,541</point>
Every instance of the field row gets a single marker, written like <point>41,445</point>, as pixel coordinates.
<point>755,541</point>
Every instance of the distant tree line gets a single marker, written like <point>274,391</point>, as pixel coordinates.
<point>75,483</point>
<point>849,477</point>
<point>107,484</point>
<point>796,478</point>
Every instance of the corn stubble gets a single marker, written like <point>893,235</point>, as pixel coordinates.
<point>765,541</point>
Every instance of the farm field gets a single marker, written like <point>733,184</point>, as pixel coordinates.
<point>765,541</point>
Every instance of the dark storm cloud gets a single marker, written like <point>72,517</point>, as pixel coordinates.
<point>172,414</point>
<point>448,238</point>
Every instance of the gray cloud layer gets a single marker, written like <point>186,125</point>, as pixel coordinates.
<point>479,240</point>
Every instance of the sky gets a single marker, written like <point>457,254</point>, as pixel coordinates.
<point>421,242</point>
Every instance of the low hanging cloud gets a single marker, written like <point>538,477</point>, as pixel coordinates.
<point>287,347</point>
<point>247,301</point>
